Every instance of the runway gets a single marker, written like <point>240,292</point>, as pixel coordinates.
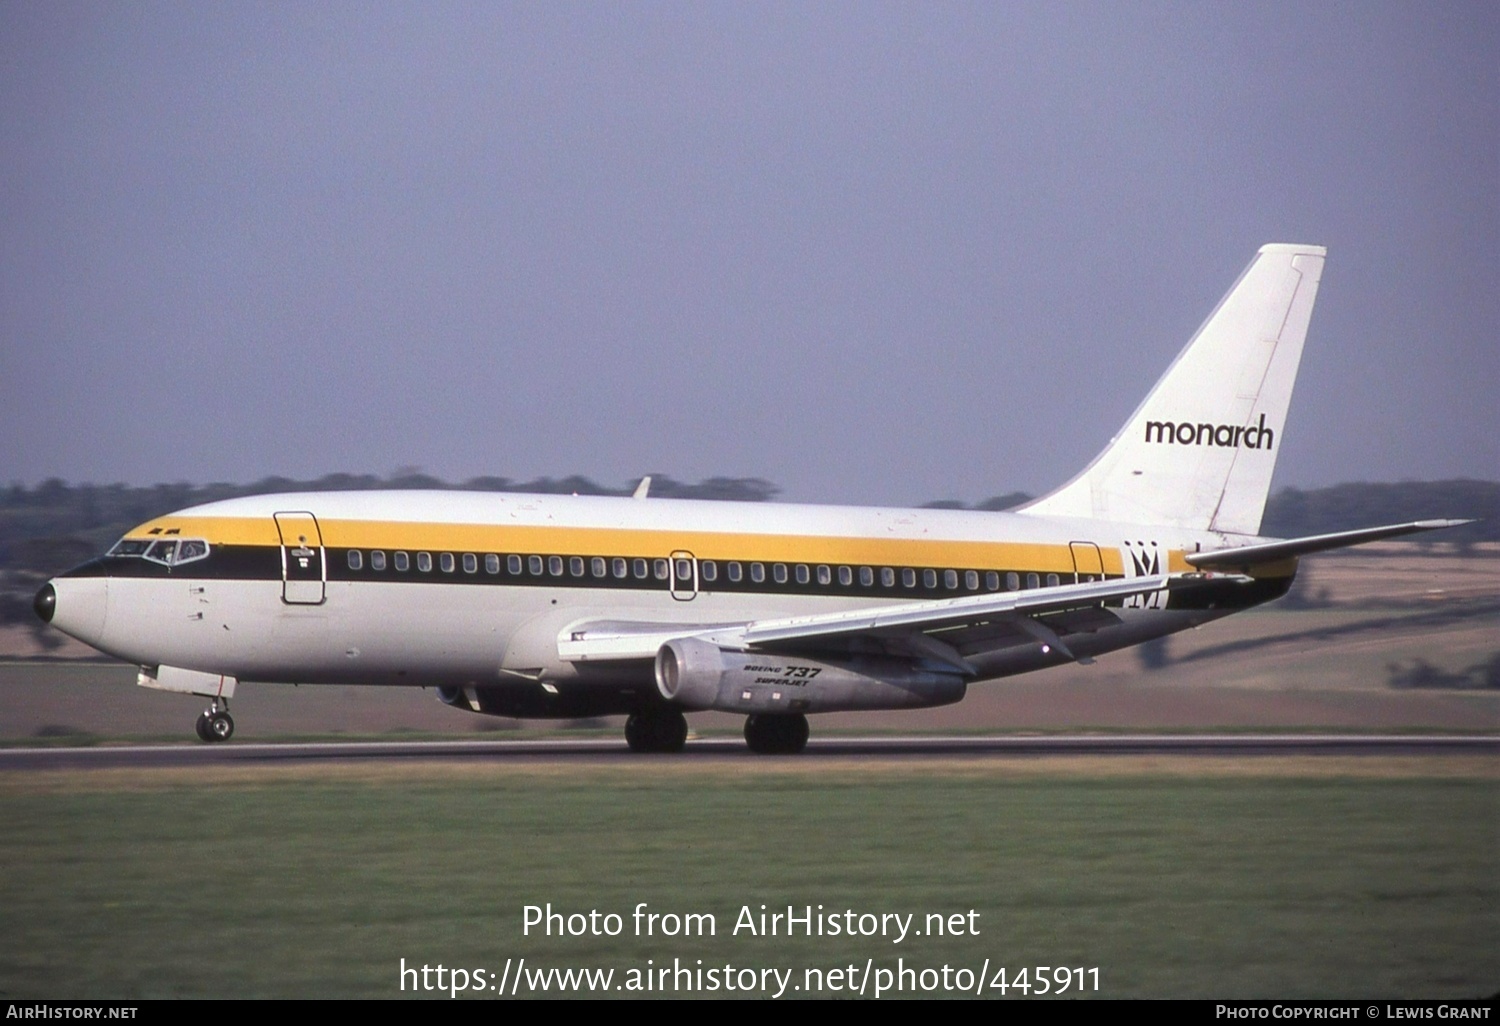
<point>834,749</point>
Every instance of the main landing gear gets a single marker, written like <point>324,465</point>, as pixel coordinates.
<point>665,730</point>
<point>656,730</point>
<point>215,724</point>
<point>776,733</point>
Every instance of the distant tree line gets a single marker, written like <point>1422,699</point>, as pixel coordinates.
<point>55,525</point>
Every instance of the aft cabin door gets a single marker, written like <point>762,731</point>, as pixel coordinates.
<point>1088,564</point>
<point>303,569</point>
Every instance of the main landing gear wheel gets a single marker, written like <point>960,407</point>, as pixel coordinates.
<point>214,724</point>
<point>776,733</point>
<point>656,730</point>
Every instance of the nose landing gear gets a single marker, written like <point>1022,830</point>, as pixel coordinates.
<point>215,724</point>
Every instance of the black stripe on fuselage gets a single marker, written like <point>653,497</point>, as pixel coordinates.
<point>263,563</point>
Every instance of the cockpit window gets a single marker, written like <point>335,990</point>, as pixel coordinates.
<point>190,549</point>
<point>162,552</point>
<point>166,551</point>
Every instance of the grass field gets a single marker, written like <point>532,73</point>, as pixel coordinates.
<point>1175,877</point>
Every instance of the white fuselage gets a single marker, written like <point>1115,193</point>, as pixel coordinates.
<point>456,623</point>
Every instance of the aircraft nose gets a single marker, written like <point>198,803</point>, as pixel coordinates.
<point>45,602</point>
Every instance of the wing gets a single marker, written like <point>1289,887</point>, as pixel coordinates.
<point>944,629</point>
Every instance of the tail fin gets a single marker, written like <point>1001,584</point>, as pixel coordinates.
<point>1199,452</point>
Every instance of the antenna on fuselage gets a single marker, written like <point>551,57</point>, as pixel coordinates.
<point>642,488</point>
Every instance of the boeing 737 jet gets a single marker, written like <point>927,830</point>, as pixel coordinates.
<point>554,606</point>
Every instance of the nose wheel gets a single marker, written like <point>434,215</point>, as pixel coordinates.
<point>215,723</point>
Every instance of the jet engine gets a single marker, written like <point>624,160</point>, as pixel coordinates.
<point>695,674</point>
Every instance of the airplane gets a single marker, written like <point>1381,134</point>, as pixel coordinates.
<point>544,606</point>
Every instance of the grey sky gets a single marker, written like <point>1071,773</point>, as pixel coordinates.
<point>874,253</point>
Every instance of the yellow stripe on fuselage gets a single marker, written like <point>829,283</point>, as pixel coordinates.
<point>601,541</point>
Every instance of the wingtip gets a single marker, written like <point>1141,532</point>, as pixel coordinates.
<point>1295,247</point>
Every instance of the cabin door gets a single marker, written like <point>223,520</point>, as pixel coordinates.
<point>304,571</point>
<point>1088,564</point>
<point>684,576</point>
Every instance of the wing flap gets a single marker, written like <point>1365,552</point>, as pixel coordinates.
<point>959,612</point>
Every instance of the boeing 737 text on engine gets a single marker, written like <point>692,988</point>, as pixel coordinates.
<point>555,606</point>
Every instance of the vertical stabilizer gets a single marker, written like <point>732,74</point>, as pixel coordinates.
<point>1199,452</point>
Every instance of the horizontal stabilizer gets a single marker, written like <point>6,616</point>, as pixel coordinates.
<point>1270,552</point>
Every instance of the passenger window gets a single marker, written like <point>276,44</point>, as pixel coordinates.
<point>445,561</point>
<point>735,571</point>
<point>640,568</point>
<point>535,565</point>
<point>708,571</point>
<point>402,562</point>
<point>758,573</point>
<point>659,569</point>
<point>685,570</point>
<point>950,580</point>
<point>1033,581</point>
<point>621,567</point>
<point>825,576</point>
<point>802,574</point>
<point>1051,580</point>
<point>1012,581</point>
<point>491,563</point>
<point>778,573</point>
<point>887,577</point>
<point>866,576</point>
<point>575,566</point>
<point>471,563</point>
<point>846,576</point>
<point>513,563</point>
<point>599,566</point>
<point>929,578</point>
<point>555,565</point>
<point>424,562</point>
<point>991,581</point>
<point>908,578</point>
<point>377,560</point>
<point>356,559</point>
<point>971,580</point>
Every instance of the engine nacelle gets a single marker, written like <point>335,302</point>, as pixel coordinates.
<point>695,674</point>
<point>455,697</point>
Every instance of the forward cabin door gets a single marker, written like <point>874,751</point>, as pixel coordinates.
<point>304,570</point>
<point>684,576</point>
